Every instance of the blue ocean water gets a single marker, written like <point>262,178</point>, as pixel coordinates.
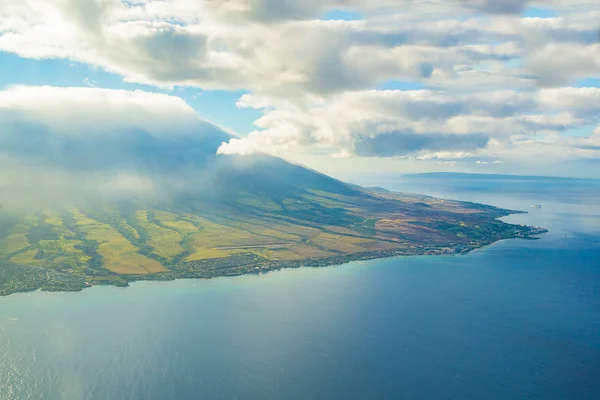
<point>516,320</point>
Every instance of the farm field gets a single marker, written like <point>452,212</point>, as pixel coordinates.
<point>118,243</point>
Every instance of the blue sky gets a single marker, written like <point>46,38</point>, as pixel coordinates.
<point>540,12</point>
<point>343,15</point>
<point>217,106</point>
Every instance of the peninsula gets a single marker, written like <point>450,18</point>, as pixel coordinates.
<point>141,205</point>
<point>316,221</point>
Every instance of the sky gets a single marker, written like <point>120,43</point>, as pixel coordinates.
<point>341,86</point>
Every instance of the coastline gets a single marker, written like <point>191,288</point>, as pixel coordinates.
<point>54,281</point>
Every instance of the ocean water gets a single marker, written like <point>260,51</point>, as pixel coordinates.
<point>516,320</point>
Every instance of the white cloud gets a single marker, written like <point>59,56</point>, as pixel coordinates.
<point>582,100</point>
<point>262,45</point>
<point>280,46</point>
<point>68,145</point>
<point>423,123</point>
<point>486,68</point>
<point>85,111</point>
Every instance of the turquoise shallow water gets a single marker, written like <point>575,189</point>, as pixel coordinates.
<point>518,319</point>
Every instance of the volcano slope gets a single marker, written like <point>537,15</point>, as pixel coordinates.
<point>151,207</point>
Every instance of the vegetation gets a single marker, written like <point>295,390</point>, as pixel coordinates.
<point>71,248</point>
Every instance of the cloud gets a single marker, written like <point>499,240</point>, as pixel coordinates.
<point>90,82</point>
<point>404,143</point>
<point>559,64</point>
<point>584,101</point>
<point>72,145</point>
<point>263,45</point>
<point>499,7</point>
<point>86,111</point>
<point>281,47</point>
<point>422,124</point>
<point>420,117</point>
<point>496,82</point>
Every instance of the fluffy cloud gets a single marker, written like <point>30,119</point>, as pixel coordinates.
<point>85,111</point>
<point>69,145</point>
<point>281,48</point>
<point>415,123</point>
<point>262,45</point>
<point>585,101</point>
<point>497,82</point>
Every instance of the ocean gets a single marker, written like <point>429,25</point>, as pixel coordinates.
<point>516,320</point>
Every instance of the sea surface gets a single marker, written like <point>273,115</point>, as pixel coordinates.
<point>516,320</point>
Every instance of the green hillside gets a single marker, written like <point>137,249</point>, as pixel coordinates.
<point>145,206</point>
<point>70,248</point>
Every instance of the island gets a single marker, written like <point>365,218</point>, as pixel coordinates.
<point>313,223</point>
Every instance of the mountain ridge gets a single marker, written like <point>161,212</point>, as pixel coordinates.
<point>167,207</point>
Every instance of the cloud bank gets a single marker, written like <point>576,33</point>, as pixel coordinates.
<point>61,146</point>
<point>494,85</point>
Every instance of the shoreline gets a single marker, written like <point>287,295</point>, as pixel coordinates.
<point>78,283</point>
